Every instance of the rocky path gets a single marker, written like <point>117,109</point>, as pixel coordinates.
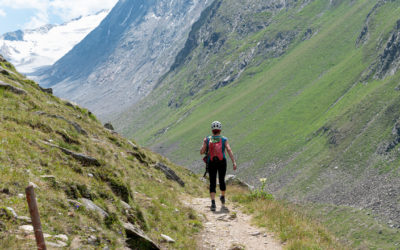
<point>229,228</point>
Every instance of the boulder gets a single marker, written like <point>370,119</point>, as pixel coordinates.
<point>2,59</point>
<point>89,205</point>
<point>46,90</point>
<point>233,180</point>
<point>109,126</point>
<point>169,173</point>
<point>137,239</point>
<point>13,89</point>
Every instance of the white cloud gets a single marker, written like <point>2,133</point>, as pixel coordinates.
<point>65,9</point>
<point>68,9</point>
<point>2,13</point>
<point>40,19</point>
<point>25,4</point>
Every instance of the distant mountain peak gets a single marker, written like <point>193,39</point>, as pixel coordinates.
<point>32,49</point>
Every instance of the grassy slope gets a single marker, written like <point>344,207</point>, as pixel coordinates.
<point>273,113</point>
<point>155,200</point>
<point>275,108</point>
<point>23,159</point>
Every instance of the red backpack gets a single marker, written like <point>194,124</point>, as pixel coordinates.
<point>215,148</point>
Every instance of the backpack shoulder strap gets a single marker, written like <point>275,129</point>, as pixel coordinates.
<point>208,138</point>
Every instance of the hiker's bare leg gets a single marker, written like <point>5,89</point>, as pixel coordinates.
<point>212,196</point>
<point>223,193</point>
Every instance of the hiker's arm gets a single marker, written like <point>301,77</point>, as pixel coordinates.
<point>203,149</point>
<point>228,148</point>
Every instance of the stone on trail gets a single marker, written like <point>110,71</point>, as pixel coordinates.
<point>255,233</point>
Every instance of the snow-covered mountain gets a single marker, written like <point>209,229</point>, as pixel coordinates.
<point>121,61</point>
<point>30,50</point>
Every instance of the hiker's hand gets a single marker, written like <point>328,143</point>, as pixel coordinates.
<point>234,166</point>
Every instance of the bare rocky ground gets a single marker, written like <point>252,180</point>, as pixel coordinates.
<point>229,228</point>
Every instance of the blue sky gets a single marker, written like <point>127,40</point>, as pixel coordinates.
<point>29,14</point>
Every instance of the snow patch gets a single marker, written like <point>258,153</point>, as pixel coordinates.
<point>44,46</point>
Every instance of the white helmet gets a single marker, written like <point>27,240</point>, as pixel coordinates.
<point>216,125</point>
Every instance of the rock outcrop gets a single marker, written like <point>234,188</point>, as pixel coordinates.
<point>169,173</point>
<point>77,127</point>
<point>137,239</point>
<point>233,180</point>
<point>84,159</point>
<point>13,89</point>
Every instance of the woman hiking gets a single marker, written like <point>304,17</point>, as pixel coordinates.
<point>214,147</point>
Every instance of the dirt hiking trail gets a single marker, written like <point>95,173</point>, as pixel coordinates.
<point>228,228</point>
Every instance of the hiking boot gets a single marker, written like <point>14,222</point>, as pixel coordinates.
<point>222,198</point>
<point>213,206</point>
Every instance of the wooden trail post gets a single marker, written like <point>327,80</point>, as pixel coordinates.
<point>33,210</point>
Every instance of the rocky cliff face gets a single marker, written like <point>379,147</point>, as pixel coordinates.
<point>120,61</point>
<point>220,26</point>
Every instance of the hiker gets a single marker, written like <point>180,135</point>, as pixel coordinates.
<point>214,147</point>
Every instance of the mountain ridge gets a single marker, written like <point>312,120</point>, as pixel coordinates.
<point>132,48</point>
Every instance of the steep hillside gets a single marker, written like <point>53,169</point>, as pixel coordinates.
<point>30,50</point>
<point>307,92</point>
<point>95,189</point>
<point>121,60</point>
